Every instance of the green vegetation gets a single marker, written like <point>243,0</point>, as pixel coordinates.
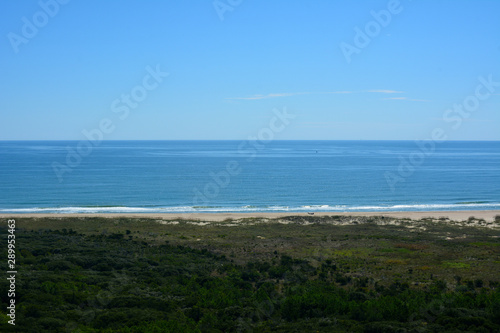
<point>298,274</point>
<point>456,264</point>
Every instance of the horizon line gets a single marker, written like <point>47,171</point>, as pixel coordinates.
<point>77,140</point>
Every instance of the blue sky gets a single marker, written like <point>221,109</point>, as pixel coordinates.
<point>229,67</point>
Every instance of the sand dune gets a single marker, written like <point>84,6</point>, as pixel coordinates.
<point>487,215</point>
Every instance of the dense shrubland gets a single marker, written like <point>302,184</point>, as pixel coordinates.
<point>72,281</point>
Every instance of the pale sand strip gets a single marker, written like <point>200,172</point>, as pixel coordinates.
<point>487,215</point>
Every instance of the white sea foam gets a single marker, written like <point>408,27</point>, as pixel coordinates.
<point>247,208</point>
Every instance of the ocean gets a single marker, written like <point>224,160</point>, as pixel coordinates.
<point>245,176</point>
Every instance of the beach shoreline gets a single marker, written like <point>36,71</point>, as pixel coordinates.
<point>487,215</point>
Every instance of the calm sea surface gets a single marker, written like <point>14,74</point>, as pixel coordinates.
<point>241,176</point>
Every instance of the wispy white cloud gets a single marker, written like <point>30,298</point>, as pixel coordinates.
<point>477,120</point>
<point>384,91</point>
<point>406,99</point>
<point>277,95</point>
<point>344,124</point>
<point>264,96</point>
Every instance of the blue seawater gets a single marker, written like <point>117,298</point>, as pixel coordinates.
<point>241,176</point>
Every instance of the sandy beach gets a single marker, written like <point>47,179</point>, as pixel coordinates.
<point>487,215</point>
